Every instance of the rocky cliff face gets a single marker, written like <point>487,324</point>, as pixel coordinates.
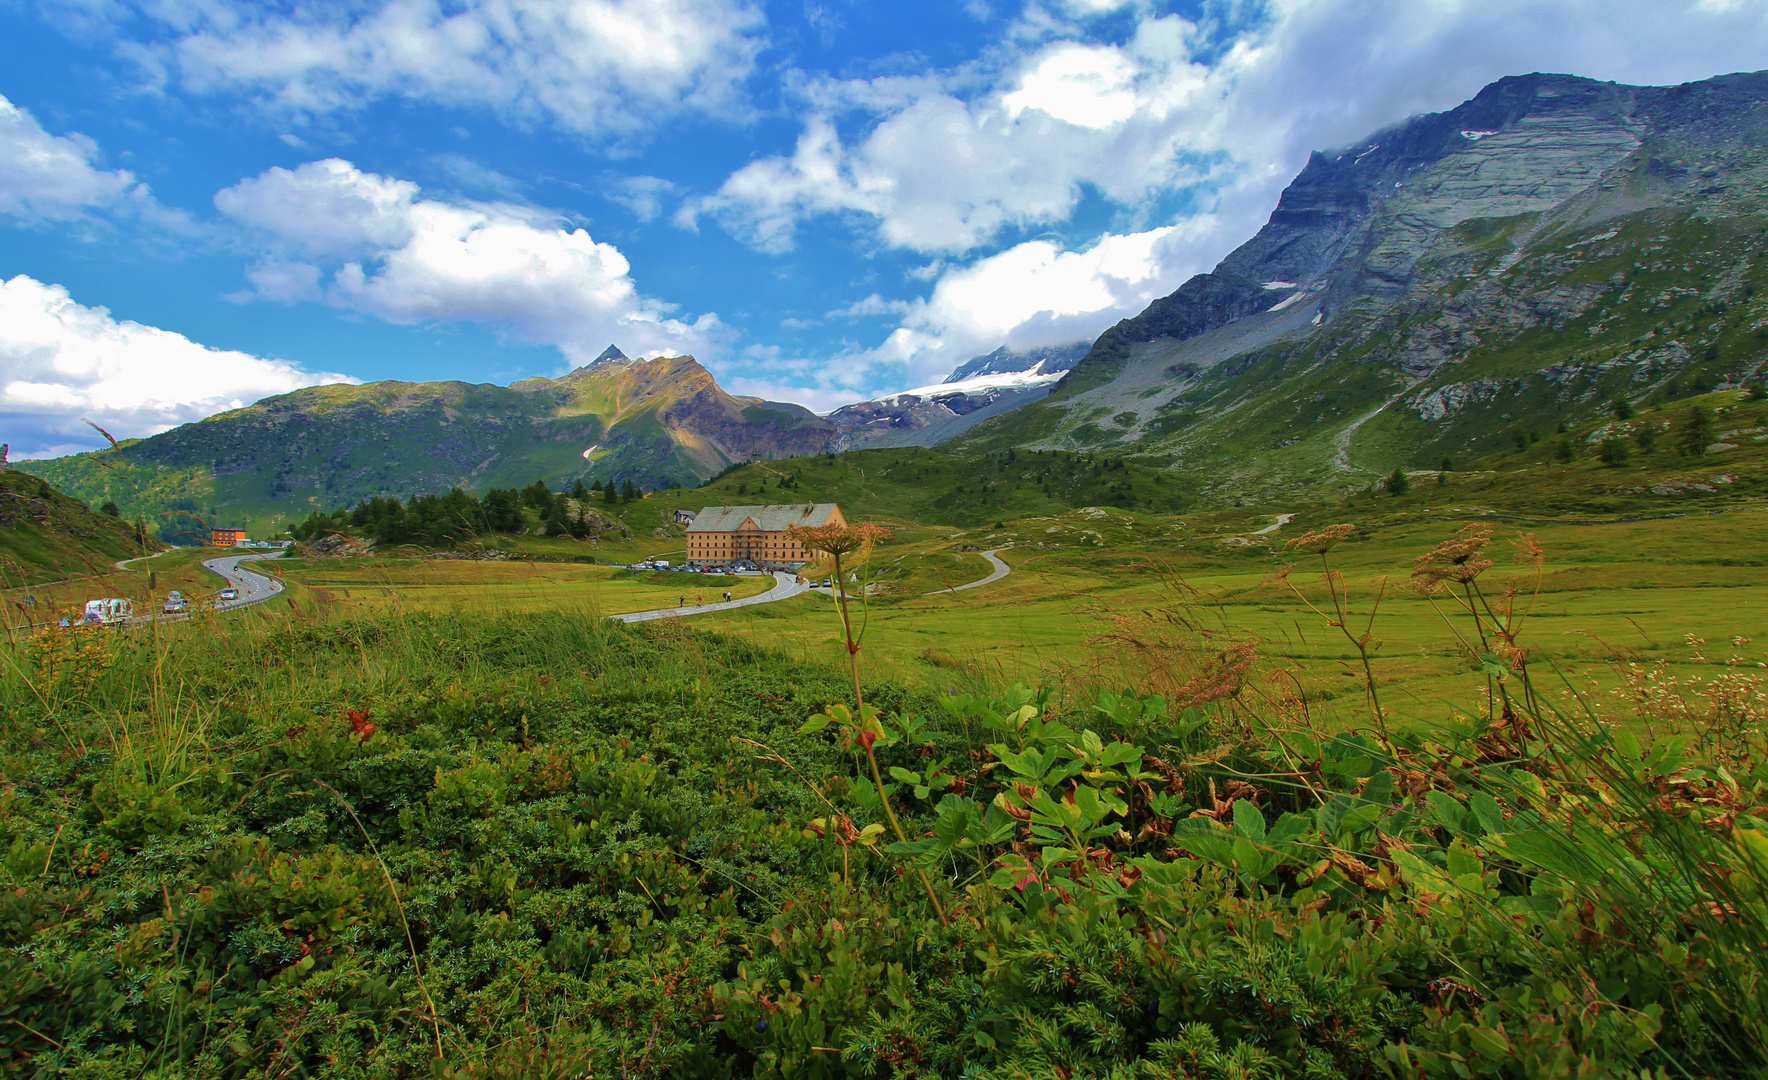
<point>1450,261</point>
<point>616,419</point>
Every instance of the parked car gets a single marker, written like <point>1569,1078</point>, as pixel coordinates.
<point>175,602</point>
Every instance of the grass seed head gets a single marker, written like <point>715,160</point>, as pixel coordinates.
<point>1461,558</point>
<point>1321,542</point>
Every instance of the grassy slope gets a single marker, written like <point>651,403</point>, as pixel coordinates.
<point>52,536</point>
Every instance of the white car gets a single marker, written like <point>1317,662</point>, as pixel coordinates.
<point>230,594</point>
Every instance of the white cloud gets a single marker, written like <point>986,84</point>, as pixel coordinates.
<point>871,306</point>
<point>593,66</point>
<point>1083,85</point>
<point>368,243</point>
<point>53,177</point>
<point>66,362</point>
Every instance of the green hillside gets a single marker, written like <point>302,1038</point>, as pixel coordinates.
<point>656,422</point>
<point>46,536</point>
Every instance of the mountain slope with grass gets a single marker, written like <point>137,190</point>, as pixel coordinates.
<point>1446,286</point>
<point>651,422</point>
<point>46,535</point>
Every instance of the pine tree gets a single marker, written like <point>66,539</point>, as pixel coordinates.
<point>1398,483</point>
<point>1697,431</point>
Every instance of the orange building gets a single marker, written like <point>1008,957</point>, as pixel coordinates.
<point>220,536</point>
<point>723,535</point>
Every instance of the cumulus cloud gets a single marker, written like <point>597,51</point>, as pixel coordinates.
<point>592,66</point>
<point>65,362</point>
<point>46,177</point>
<point>369,243</point>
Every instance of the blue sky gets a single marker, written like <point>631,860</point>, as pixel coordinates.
<point>203,202</point>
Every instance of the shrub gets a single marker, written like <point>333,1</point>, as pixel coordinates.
<point>1613,452</point>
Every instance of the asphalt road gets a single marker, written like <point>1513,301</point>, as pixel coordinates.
<point>1001,570</point>
<point>254,587</point>
<point>785,585</point>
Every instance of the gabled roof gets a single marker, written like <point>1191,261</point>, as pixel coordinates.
<point>722,519</point>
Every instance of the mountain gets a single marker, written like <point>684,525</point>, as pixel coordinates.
<point>45,535</point>
<point>1004,361</point>
<point>654,422</point>
<point>981,388</point>
<point>1446,286</point>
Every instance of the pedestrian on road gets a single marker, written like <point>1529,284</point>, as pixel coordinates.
<point>681,601</point>
<point>727,596</point>
<point>699,600</point>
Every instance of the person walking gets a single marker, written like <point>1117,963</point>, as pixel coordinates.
<point>681,601</point>
<point>699,600</point>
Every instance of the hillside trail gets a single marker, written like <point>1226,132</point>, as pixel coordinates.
<point>1282,520</point>
<point>1343,439</point>
<point>123,564</point>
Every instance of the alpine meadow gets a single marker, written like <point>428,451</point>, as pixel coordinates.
<point>1347,661</point>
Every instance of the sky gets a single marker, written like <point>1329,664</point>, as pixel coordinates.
<point>207,202</point>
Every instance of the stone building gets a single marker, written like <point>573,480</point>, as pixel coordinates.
<point>723,535</point>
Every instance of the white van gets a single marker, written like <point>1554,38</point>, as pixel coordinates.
<point>109,611</point>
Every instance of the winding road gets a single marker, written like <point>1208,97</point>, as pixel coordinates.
<point>1001,570</point>
<point>785,586</point>
<point>254,588</point>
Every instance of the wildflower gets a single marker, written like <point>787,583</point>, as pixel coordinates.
<point>1323,541</point>
<point>1529,550</point>
<point>1461,558</point>
<point>838,540</point>
<point>1220,678</point>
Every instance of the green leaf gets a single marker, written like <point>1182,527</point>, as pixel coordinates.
<point>1487,810</point>
<point>815,723</point>
<point>1248,822</point>
<point>897,772</point>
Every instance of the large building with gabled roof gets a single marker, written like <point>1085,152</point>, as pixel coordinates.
<point>725,535</point>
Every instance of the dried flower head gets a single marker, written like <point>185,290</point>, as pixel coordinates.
<point>1529,550</point>
<point>834,539</point>
<point>1321,542</point>
<point>1460,558</point>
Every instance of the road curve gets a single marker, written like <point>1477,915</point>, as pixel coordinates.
<point>1001,570</point>
<point>785,585</point>
<point>123,564</point>
<point>1282,520</point>
<point>254,588</point>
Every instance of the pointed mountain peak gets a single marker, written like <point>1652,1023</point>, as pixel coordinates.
<point>610,353</point>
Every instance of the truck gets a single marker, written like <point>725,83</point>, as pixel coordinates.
<point>110,611</point>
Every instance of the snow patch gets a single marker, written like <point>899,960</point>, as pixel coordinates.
<point>1292,298</point>
<point>1274,285</point>
<point>1476,136</point>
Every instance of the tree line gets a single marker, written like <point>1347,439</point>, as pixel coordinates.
<point>461,515</point>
